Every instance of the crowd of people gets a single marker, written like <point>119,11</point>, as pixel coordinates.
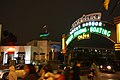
<point>45,72</point>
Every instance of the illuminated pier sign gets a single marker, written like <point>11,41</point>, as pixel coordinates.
<point>93,23</point>
<point>84,32</point>
<point>89,24</point>
<point>85,18</point>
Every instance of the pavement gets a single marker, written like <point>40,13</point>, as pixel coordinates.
<point>83,78</point>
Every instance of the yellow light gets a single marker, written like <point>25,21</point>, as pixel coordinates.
<point>106,4</point>
<point>117,47</point>
<point>117,44</point>
<point>118,33</point>
<point>83,36</point>
<point>52,50</point>
<point>63,44</point>
<point>10,49</point>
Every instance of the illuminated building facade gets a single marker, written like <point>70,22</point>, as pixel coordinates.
<point>34,51</point>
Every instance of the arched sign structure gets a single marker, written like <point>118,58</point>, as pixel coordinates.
<point>90,24</point>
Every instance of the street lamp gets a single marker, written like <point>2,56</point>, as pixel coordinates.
<point>52,53</point>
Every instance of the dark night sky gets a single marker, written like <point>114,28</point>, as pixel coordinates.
<point>26,18</point>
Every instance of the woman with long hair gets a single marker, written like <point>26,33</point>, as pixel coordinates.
<point>31,73</point>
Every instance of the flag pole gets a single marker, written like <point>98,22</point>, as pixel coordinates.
<point>115,6</point>
<point>45,27</point>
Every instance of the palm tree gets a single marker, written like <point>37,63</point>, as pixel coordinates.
<point>8,39</point>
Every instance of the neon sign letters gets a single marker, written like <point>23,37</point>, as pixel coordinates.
<point>85,25</point>
<point>100,30</point>
<point>83,36</point>
<point>85,18</point>
<point>96,28</point>
<point>93,23</point>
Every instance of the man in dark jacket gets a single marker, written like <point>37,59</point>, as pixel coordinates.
<point>76,71</point>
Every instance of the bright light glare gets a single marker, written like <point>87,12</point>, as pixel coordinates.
<point>0,73</point>
<point>118,33</point>
<point>101,66</point>
<point>108,67</point>
<point>10,49</point>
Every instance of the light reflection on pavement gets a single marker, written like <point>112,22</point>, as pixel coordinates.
<point>109,76</point>
<point>105,76</point>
